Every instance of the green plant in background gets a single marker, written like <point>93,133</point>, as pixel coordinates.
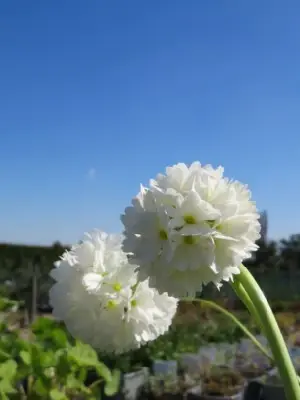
<point>164,385</point>
<point>181,338</point>
<point>52,366</point>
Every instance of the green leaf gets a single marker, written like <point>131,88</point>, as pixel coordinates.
<point>4,356</point>
<point>8,369</point>
<point>42,386</point>
<point>83,355</point>
<point>63,366</point>
<point>55,394</point>
<point>3,395</point>
<point>6,387</point>
<point>72,382</point>
<point>36,352</point>
<point>103,371</point>
<point>26,357</point>
<point>60,337</point>
<point>111,387</point>
<point>43,326</point>
<point>82,374</point>
<point>48,359</point>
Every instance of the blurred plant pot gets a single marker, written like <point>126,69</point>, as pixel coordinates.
<point>134,383</point>
<point>264,391</point>
<point>273,388</point>
<point>273,392</point>
<point>254,374</point>
<point>170,396</point>
<point>254,391</point>
<point>220,383</point>
<point>254,371</point>
<point>165,367</point>
<point>197,394</point>
<point>190,363</point>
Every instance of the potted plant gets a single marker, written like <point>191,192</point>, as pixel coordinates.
<point>269,388</point>
<point>134,382</point>
<point>163,353</point>
<point>165,367</point>
<point>134,373</point>
<point>254,370</point>
<point>219,383</point>
<point>167,387</point>
<point>190,363</point>
<point>271,384</point>
<point>273,388</point>
<point>251,364</point>
<point>213,354</point>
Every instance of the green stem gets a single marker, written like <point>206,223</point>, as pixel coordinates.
<point>30,382</point>
<point>228,314</point>
<point>273,334</point>
<point>243,295</point>
<point>96,383</point>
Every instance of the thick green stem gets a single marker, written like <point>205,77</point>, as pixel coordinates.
<point>228,314</point>
<point>243,295</point>
<point>273,334</point>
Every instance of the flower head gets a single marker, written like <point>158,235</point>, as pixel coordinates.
<point>98,296</point>
<point>191,226</point>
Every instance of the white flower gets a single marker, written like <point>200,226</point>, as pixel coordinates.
<point>98,296</point>
<point>191,226</point>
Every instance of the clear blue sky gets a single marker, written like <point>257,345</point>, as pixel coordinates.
<point>96,97</point>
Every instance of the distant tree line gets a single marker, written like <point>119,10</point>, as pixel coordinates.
<point>24,273</point>
<point>24,269</point>
<point>282,255</point>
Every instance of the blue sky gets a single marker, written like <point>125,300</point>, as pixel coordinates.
<point>97,97</point>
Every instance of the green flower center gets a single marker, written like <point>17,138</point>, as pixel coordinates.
<point>117,287</point>
<point>189,239</point>
<point>189,219</point>
<point>111,304</point>
<point>133,303</point>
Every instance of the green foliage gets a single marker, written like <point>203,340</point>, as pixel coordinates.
<point>7,305</point>
<point>51,366</point>
<point>183,338</point>
<point>112,385</point>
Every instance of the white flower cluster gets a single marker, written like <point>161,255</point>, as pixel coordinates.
<point>191,226</point>
<point>98,296</point>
